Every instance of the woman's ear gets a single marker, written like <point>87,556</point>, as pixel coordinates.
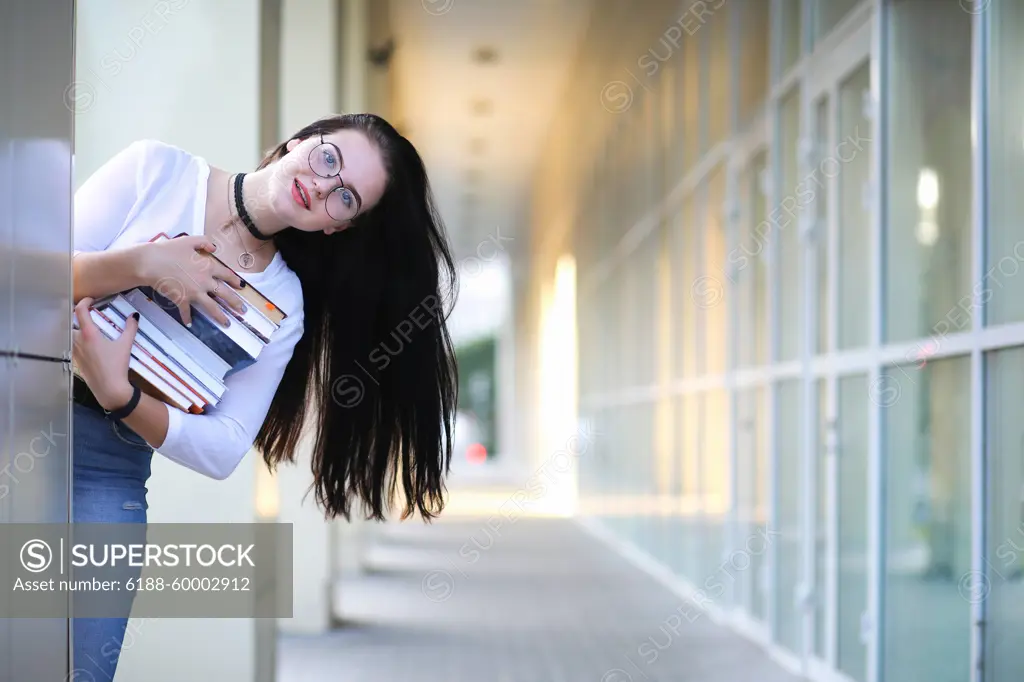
<point>292,143</point>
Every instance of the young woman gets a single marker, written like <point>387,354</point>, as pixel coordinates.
<point>338,227</point>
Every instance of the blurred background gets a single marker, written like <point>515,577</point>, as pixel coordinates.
<point>736,326</point>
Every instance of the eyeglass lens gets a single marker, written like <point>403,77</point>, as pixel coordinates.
<point>325,161</point>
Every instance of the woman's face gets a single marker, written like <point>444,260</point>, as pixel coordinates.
<point>323,182</point>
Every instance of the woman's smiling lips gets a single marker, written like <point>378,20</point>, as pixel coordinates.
<point>300,194</point>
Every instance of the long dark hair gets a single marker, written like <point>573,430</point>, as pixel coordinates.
<point>375,367</point>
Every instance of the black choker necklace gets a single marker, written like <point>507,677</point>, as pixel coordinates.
<point>243,214</point>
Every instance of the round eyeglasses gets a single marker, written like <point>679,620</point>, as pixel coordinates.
<point>343,203</point>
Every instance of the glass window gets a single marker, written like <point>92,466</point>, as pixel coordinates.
<point>928,259</point>
<point>1004,394</point>
<point>754,58</point>
<point>758,239</point>
<point>740,272</point>
<point>686,345</point>
<point>821,506</point>
<point>691,100</point>
<point>650,327</point>
<point>790,48</point>
<point>926,450</point>
<point>709,292</point>
<point>852,488</point>
<point>785,222</point>
<point>719,74</point>
<point>716,495</point>
<point>1004,249</point>
<point>743,592</point>
<point>630,321</point>
<point>828,13</point>
<point>750,556</point>
<point>669,130</point>
<point>647,176</point>
<point>644,479</point>
<point>746,266</point>
<point>631,142</point>
<point>759,552</point>
<point>851,160</point>
<point>689,539</point>
<point>620,283</point>
<point>788,541</point>
<point>818,184</point>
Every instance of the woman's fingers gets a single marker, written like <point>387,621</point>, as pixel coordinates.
<point>228,275</point>
<point>210,306</point>
<point>131,326</point>
<point>85,323</point>
<point>185,311</point>
<point>202,243</point>
<point>227,295</point>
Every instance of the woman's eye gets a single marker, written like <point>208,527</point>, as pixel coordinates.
<point>346,196</point>
<point>329,159</point>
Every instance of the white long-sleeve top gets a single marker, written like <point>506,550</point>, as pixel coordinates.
<point>151,187</point>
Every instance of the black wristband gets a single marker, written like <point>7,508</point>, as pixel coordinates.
<point>122,412</point>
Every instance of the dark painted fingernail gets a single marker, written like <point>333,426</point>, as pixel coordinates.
<point>135,316</point>
<point>243,284</point>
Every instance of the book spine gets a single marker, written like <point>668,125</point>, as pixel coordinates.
<point>164,360</point>
<point>148,328</point>
<point>237,332</point>
<point>143,371</point>
<point>148,359</point>
<point>169,322</point>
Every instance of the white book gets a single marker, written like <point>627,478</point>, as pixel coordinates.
<point>140,368</point>
<point>189,368</point>
<point>169,361</point>
<point>254,320</point>
<point>237,332</point>
<point>168,328</point>
<point>152,363</point>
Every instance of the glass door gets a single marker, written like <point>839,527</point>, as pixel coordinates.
<point>747,266</point>
<point>836,153</point>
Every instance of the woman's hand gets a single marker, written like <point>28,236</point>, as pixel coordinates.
<point>103,362</point>
<point>183,271</point>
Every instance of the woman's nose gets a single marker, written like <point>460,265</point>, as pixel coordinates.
<point>324,186</point>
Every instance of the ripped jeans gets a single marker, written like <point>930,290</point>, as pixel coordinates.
<point>111,467</point>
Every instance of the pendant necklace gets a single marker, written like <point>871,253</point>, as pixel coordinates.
<point>245,259</point>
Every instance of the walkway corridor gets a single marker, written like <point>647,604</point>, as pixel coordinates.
<point>537,600</point>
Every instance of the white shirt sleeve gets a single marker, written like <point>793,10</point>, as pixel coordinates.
<point>215,442</point>
<point>106,199</point>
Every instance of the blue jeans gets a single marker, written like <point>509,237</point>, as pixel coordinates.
<point>111,467</point>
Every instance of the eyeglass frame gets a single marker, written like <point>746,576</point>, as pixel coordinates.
<point>337,151</point>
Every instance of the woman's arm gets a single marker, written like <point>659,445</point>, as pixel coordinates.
<point>101,273</point>
<point>148,419</point>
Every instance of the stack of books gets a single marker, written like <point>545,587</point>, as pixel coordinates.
<point>186,366</point>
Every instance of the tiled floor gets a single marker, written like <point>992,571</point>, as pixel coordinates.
<point>537,600</point>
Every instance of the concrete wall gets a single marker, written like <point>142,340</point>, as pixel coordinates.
<point>187,73</point>
<point>308,58</point>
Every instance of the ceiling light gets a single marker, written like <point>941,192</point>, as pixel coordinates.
<point>485,55</point>
<point>481,106</point>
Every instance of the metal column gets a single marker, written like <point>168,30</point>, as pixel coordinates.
<point>36,74</point>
